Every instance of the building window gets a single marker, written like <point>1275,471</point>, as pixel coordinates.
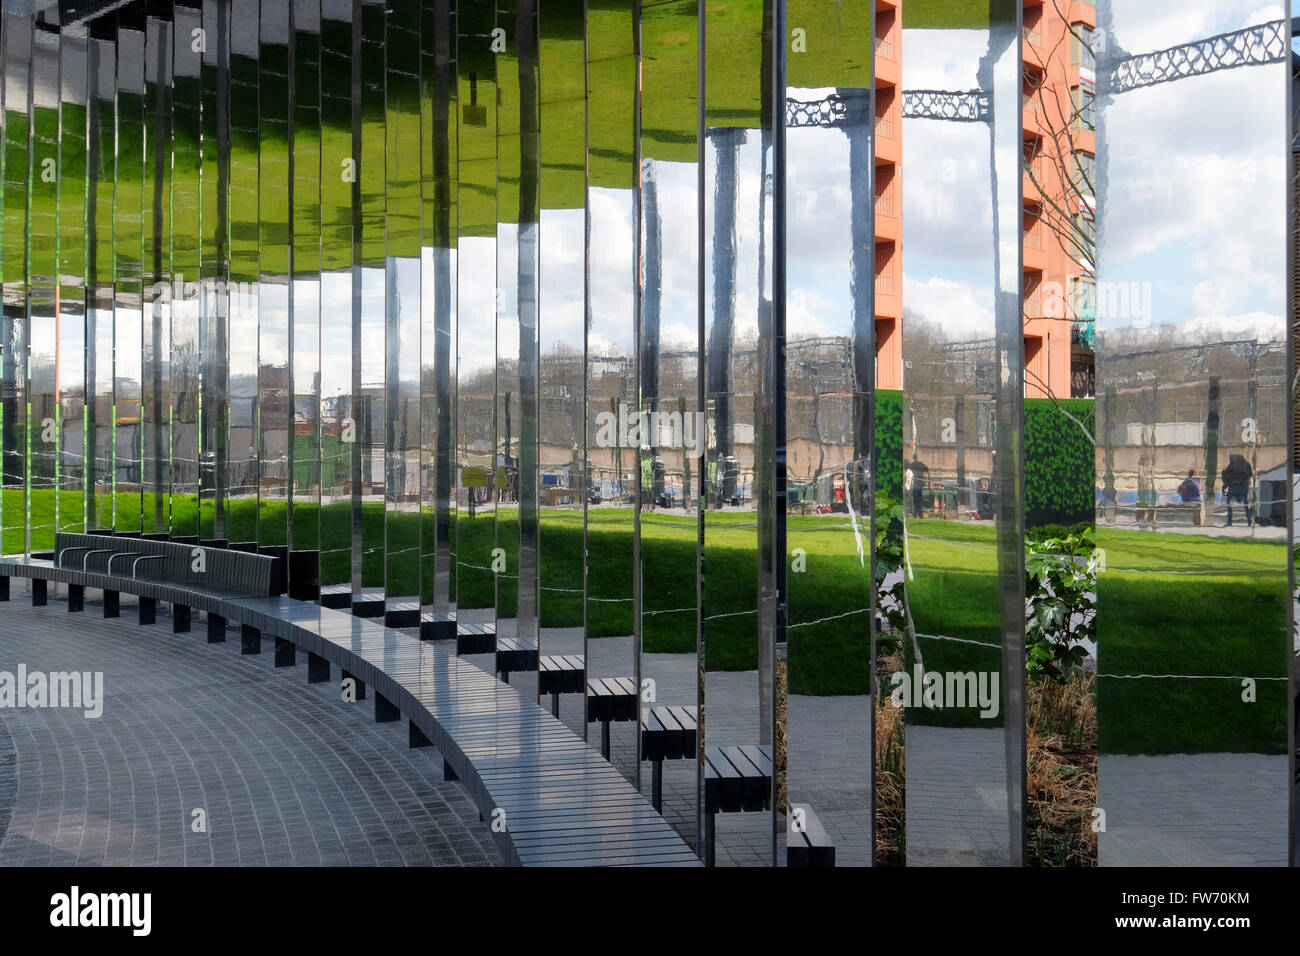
<point>1081,48</point>
<point>1083,172</point>
<point>1082,99</point>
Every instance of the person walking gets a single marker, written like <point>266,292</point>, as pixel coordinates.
<point>1236,487</point>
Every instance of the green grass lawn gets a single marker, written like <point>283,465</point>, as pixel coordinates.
<point>1228,618</point>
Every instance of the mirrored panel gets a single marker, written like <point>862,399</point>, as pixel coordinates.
<point>561,439</point>
<point>101,269</point>
<point>214,312</point>
<point>611,333</point>
<point>438,319</point>
<point>962,557</point>
<point>305,358</point>
<point>402,332</point>
<point>830,355</point>
<point>74,340</point>
<point>476,273</point>
<point>128,248</point>
<point>242,293</point>
<point>337,416</point>
<point>155,228</point>
<point>509,398</point>
<point>1192,434</point>
<point>186,264</point>
<point>43,319</point>
<point>672,443</point>
<point>742,584</point>
<point>272,417</point>
<point>369,311</point>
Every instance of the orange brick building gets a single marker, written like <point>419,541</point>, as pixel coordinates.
<point>1060,145</point>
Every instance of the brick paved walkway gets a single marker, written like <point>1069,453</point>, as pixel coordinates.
<point>286,772</point>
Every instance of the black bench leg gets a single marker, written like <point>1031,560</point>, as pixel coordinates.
<point>505,676</point>
<point>359,686</point>
<point>216,629</point>
<point>4,588</point>
<point>148,610</point>
<point>385,710</point>
<point>180,619</point>
<point>708,838</point>
<point>112,604</point>
<point>417,737</point>
<point>447,772</point>
<point>318,669</point>
<point>285,653</point>
<point>657,785</point>
<point>76,598</point>
<point>250,639</point>
<point>555,705</point>
<point>40,592</point>
<point>604,739</point>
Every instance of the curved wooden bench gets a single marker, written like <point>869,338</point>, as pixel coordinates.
<point>549,798</point>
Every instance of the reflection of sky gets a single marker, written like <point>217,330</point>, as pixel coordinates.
<point>749,170</point>
<point>947,197</point>
<point>818,240</point>
<point>476,284</point>
<point>1192,196</point>
<point>677,189</point>
<point>560,280</point>
<point>613,281</point>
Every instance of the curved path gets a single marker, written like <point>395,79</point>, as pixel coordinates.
<point>285,772</point>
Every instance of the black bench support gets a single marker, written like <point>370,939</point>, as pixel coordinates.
<point>318,669</point>
<point>148,610</point>
<point>285,653</point>
<point>385,710</point>
<point>40,592</point>
<point>112,604</point>
<point>76,597</point>
<point>250,639</point>
<point>180,618</point>
<point>357,683</point>
<point>216,628</point>
<point>417,737</point>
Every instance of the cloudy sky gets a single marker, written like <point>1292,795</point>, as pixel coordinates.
<point>947,196</point>
<point>1192,199</point>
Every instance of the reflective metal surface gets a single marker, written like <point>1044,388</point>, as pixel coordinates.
<point>307,237</point>
<point>743,536</point>
<point>830,392</point>
<point>561,389</point>
<point>186,264</point>
<point>402,326</point>
<point>671,451</point>
<point>476,273</point>
<point>613,625</point>
<point>338,427</point>
<point>242,296</point>
<point>1192,450</point>
<point>958,674</point>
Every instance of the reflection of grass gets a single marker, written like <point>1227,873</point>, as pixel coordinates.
<point>1230,619</point>
<point>946,15</point>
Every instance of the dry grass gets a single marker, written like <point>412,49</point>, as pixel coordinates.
<point>890,777</point>
<point>1061,739</point>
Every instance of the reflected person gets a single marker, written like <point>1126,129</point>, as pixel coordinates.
<point>1236,487</point>
<point>914,483</point>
